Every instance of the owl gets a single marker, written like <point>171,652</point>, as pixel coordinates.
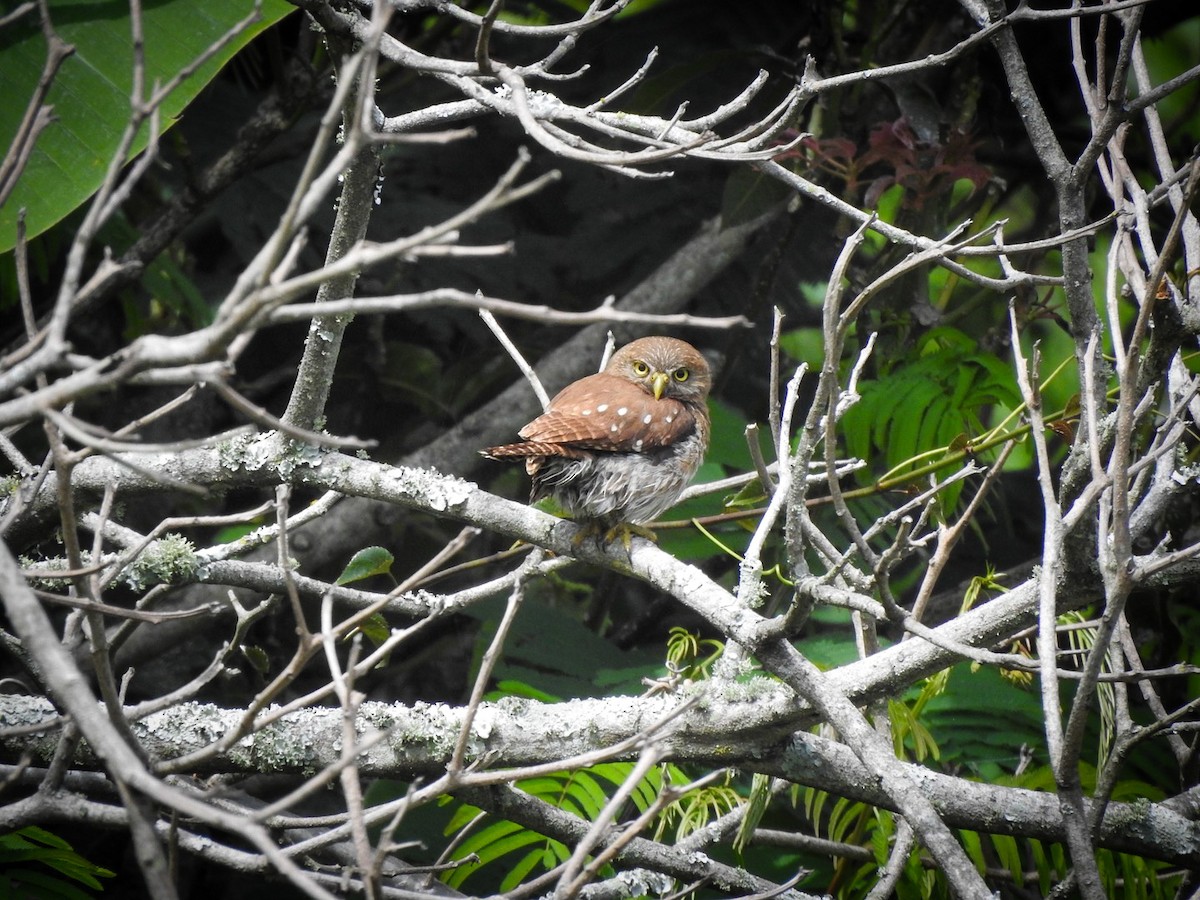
<point>618,448</point>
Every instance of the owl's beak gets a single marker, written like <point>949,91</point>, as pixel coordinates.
<point>659,382</point>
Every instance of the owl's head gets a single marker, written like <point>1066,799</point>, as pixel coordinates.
<point>664,367</point>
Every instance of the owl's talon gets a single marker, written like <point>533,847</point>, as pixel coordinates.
<point>585,532</point>
<point>626,531</point>
<point>622,531</point>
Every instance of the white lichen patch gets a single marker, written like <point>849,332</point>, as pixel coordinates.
<point>169,560</point>
<point>644,883</point>
<point>54,564</point>
<point>247,452</point>
<point>189,727</point>
<point>751,590</point>
<point>543,105</point>
<point>432,726</point>
<point>254,452</point>
<point>440,492</point>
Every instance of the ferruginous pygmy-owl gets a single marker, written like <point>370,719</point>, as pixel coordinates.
<point>618,447</point>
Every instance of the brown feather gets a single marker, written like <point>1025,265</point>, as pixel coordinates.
<point>606,412</point>
<point>533,448</point>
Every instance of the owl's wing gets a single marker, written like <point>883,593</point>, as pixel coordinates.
<point>607,412</point>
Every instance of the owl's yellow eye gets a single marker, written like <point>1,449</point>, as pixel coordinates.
<point>681,374</point>
<point>640,369</point>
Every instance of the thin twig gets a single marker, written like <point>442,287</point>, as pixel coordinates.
<point>515,355</point>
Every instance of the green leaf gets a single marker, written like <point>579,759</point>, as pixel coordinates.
<point>508,687</point>
<point>91,93</point>
<point>551,651</point>
<point>231,533</point>
<point>543,856</point>
<point>974,847</point>
<point>34,834</point>
<point>880,845</point>
<point>756,807</point>
<point>932,398</point>
<point>903,399</point>
<point>938,417</point>
<point>1009,854</point>
<point>34,844</point>
<point>417,374</point>
<point>903,436</point>
<point>728,443</point>
<point>889,203</point>
<point>462,817</point>
<point>750,194</point>
<point>646,791</point>
<point>588,793</point>
<point>257,658</point>
<point>376,629</point>
<point>1167,54</point>
<point>1043,865</point>
<point>804,345</point>
<point>844,818</point>
<point>490,844</point>
<point>365,563</point>
<point>172,291</point>
<point>545,787</point>
<point>980,720</point>
<point>576,793</point>
<point>28,883</point>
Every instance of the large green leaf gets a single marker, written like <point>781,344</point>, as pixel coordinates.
<point>926,400</point>
<point>91,93</point>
